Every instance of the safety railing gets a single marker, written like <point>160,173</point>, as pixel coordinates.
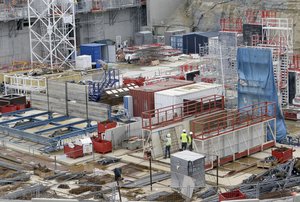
<point>231,24</point>
<point>165,116</point>
<point>218,124</point>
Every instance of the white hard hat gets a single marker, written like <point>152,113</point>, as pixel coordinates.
<point>168,135</point>
<point>183,130</point>
<point>191,133</point>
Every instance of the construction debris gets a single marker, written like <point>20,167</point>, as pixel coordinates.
<point>157,177</point>
<point>63,186</point>
<point>35,189</point>
<point>109,160</point>
<point>42,171</point>
<point>10,166</point>
<point>23,177</point>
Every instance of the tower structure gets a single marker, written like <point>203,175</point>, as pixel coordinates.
<point>52,32</point>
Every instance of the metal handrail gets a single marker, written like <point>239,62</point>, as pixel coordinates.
<point>235,120</point>
<point>167,115</point>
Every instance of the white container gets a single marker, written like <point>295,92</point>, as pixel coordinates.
<point>177,96</point>
<point>83,62</point>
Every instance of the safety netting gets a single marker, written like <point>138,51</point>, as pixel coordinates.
<point>257,84</point>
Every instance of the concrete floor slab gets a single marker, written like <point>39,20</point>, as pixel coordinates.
<point>63,159</point>
<point>134,160</point>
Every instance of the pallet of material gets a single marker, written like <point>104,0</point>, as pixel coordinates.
<point>267,165</point>
<point>43,174</point>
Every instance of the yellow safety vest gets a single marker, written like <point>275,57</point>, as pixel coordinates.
<point>169,141</point>
<point>189,139</point>
<point>184,138</point>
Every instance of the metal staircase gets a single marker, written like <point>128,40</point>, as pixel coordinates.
<point>109,79</point>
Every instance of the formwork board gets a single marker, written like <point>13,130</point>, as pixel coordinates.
<point>70,90</point>
<point>96,111</point>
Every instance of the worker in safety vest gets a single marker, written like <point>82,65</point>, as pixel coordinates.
<point>168,141</point>
<point>184,139</point>
<point>190,141</point>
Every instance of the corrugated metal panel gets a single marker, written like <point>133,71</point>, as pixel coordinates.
<point>143,97</point>
<point>195,91</point>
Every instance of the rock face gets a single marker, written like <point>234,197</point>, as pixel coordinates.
<point>204,15</point>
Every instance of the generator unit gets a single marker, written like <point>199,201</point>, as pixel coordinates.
<point>187,163</point>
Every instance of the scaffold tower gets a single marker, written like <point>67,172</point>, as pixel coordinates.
<point>52,32</point>
<point>278,35</point>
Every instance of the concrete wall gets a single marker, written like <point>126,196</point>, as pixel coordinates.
<point>158,11</point>
<point>122,132</point>
<point>14,44</point>
<point>97,26</point>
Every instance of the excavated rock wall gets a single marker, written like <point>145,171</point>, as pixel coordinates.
<point>204,15</point>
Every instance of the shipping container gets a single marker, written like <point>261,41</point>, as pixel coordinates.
<point>108,50</point>
<point>185,94</point>
<point>192,41</point>
<point>143,97</point>
<point>176,42</point>
<point>93,49</point>
<point>231,39</point>
<point>169,34</point>
<point>250,30</point>
<point>143,37</point>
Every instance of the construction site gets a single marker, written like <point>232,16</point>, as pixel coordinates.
<point>149,100</point>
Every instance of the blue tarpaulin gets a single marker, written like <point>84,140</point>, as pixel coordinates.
<point>257,84</point>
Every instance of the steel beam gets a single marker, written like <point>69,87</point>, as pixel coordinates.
<point>16,112</point>
<point>24,117</point>
<point>61,126</point>
<point>41,123</point>
<point>25,135</point>
<point>75,133</point>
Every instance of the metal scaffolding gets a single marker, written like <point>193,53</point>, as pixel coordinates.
<point>277,34</point>
<point>52,32</point>
<point>218,65</point>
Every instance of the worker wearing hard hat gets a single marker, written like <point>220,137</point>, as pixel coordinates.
<point>168,141</point>
<point>184,139</point>
<point>190,141</point>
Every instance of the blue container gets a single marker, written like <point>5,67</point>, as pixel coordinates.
<point>176,42</point>
<point>93,50</point>
<point>192,41</point>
